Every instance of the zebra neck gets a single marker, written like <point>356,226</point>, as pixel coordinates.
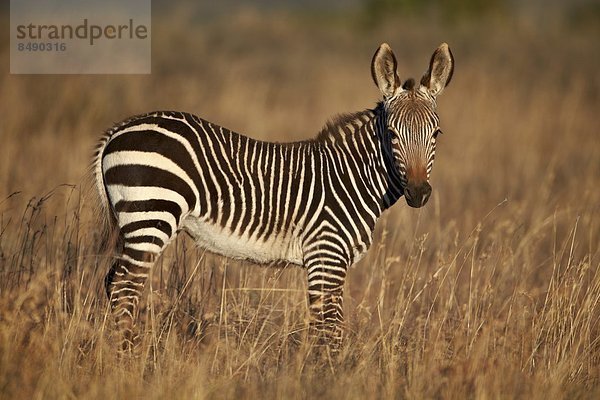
<point>361,143</point>
<point>389,170</point>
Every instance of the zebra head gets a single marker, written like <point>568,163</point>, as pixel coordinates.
<point>411,121</point>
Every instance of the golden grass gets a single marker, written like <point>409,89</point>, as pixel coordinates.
<point>491,291</point>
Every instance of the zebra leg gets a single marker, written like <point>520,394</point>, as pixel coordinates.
<point>325,297</point>
<point>125,283</point>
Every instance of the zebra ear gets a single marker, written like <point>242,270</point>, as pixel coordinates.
<point>440,70</point>
<point>383,70</point>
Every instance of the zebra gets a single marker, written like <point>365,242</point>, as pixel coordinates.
<point>312,203</point>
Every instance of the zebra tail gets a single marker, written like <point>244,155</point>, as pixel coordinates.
<point>104,216</point>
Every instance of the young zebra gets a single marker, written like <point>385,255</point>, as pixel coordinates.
<point>312,203</point>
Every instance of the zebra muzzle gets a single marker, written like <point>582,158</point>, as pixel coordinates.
<point>417,194</point>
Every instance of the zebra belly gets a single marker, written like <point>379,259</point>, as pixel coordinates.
<point>218,240</point>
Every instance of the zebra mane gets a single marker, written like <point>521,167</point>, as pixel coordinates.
<point>342,125</point>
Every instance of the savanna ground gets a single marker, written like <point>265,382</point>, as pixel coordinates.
<point>490,291</point>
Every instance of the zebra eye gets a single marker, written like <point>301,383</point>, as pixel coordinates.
<point>436,133</point>
<point>393,136</point>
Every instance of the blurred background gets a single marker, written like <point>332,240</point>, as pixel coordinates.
<point>494,284</point>
<point>522,101</point>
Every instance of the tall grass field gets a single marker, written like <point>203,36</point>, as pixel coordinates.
<point>490,291</point>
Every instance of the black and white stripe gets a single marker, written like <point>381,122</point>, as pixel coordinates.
<point>313,203</point>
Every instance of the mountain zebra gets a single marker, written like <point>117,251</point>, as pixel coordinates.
<point>312,203</point>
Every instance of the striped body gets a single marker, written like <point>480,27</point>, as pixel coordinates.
<point>240,197</point>
<point>313,203</point>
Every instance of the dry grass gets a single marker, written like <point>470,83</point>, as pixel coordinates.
<point>491,291</point>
